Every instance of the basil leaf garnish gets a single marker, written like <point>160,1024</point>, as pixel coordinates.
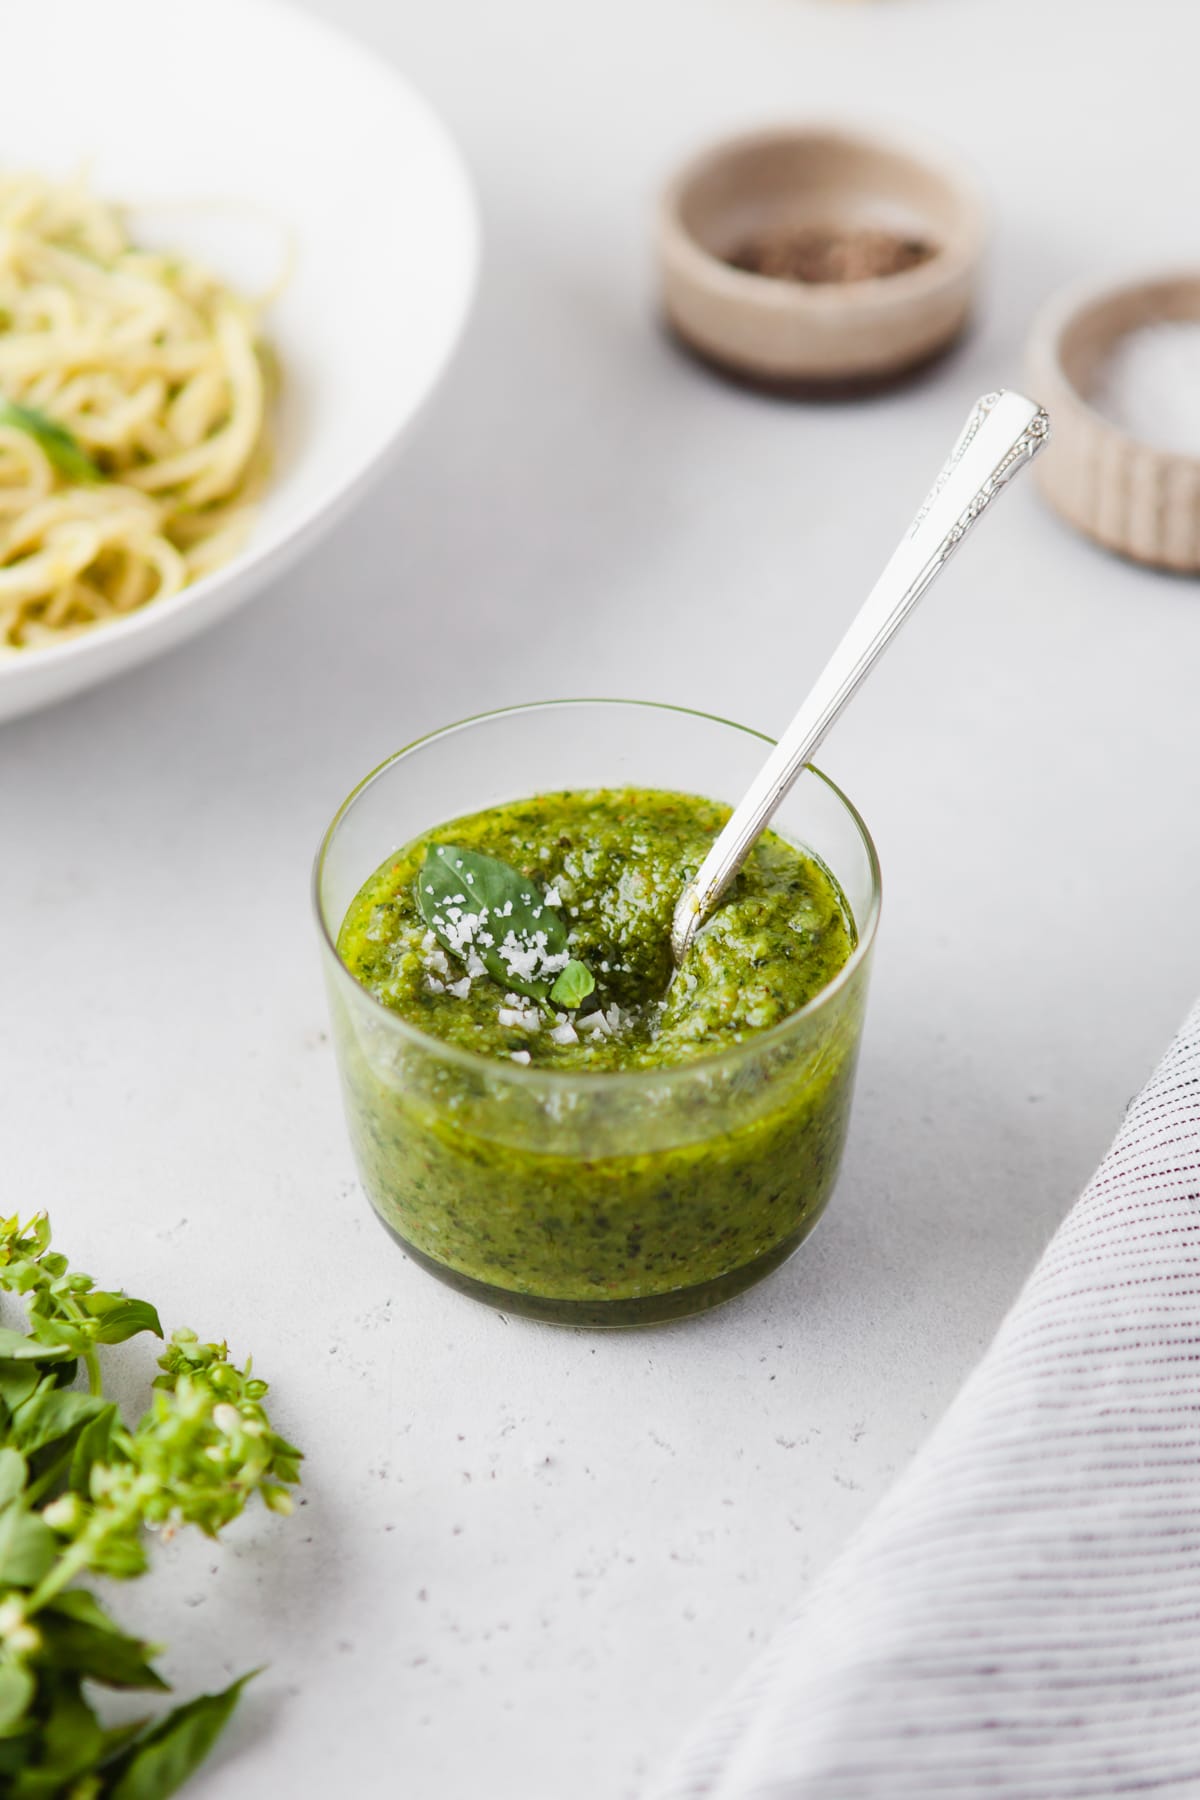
<point>59,444</point>
<point>492,917</point>
<point>573,986</point>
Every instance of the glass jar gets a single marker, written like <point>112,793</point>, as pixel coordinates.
<point>607,1198</point>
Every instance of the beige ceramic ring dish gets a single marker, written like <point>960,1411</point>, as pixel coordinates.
<point>1134,498</point>
<point>818,178</point>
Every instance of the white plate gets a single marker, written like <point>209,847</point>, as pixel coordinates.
<point>254,103</point>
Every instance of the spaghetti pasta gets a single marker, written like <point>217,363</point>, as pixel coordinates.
<point>133,439</point>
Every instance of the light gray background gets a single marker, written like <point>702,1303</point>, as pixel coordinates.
<point>527,1557</point>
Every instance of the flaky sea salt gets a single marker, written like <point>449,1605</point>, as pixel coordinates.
<point>1150,385</point>
<point>523,1018</point>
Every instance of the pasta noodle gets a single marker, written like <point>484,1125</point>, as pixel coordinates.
<point>132,417</point>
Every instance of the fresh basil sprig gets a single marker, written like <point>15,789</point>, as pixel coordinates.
<point>77,1489</point>
<point>60,445</point>
<point>481,908</point>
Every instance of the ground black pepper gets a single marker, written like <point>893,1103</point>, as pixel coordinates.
<point>823,255</point>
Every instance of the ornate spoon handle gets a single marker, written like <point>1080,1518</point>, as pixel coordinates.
<point>1003,433</point>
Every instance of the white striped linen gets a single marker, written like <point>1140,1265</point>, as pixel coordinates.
<point>1021,1614</point>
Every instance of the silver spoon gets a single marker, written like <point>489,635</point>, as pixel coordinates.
<point>1003,433</point>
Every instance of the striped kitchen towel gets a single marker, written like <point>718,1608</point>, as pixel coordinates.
<point>1020,1617</point>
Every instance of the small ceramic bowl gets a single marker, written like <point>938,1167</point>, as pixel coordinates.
<point>818,179</point>
<point>1132,497</point>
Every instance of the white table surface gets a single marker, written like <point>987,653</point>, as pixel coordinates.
<point>528,1557</point>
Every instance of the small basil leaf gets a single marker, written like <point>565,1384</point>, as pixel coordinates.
<point>79,1603</point>
<point>160,1763</point>
<point>52,1413</point>
<point>80,1636</point>
<point>14,1472</point>
<point>479,907</point>
<point>60,1337</point>
<point>17,1382</point>
<point>16,1692</point>
<point>28,1548</point>
<point>121,1318</point>
<point>93,1445</point>
<point>61,446</point>
<point>573,986</point>
<point>16,1347</point>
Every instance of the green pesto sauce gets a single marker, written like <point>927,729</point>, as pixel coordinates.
<point>617,859</point>
<point>594,1201</point>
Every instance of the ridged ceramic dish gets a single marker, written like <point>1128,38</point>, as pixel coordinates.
<point>813,333</point>
<point>1130,496</point>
